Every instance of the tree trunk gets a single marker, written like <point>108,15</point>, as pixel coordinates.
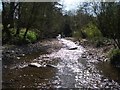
<point>18,21</point>
<point>117,43</point>
<point>30,22</point>
<point>25,33</point>
<point>11,14</point>
<point>5,22</point>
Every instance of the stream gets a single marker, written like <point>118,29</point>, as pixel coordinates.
<point>65,68</point>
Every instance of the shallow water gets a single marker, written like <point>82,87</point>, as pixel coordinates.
<point>69,70</point>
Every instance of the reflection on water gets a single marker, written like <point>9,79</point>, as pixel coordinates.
<point>70,71</point>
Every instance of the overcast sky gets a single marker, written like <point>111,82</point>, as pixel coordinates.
<point>70,4</point>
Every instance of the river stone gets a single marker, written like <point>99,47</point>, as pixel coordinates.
<point>18,57</point>
<point>39,65</point>
<point>34,65</point>
<point>84,55</point>
<point>48,65</point>
<point>73,48</point>
<point>90,53</point>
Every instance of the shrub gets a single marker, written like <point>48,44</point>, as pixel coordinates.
<point>30,37</point>
<point>91,31</point>
<point>115,57</point>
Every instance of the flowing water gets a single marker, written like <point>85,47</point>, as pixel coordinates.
<point>66,69</point>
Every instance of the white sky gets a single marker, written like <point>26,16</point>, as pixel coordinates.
<point>70,4</point>
<point>73,4</point>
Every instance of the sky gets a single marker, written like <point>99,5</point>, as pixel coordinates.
<point>70,4</point>
<point>0,5</point>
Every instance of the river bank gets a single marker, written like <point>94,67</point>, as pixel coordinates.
<point>11,52</point>
<point>100,54</point>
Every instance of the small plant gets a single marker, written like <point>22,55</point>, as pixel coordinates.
<point>115,57</point>
<point>32,36</point>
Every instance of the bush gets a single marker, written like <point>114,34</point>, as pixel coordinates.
<point>30,37</point>
<point>92,31</point>
<point>115,57</point>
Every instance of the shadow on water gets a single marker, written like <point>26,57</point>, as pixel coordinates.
<point>109,71</point>
<point>28,77</point>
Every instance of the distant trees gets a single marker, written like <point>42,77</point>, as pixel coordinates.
<point>44,18</point>
<point>47,20</point>
<point>108,20</point>
<point>78,21</point>
<point>67,30</point>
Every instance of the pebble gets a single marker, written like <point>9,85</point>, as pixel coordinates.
<point>12,51</point>
<point>90,54</point>
<point>84,56</point>
<point>23,54</point>
<point>34,65</point>
<point>23,86</point>
<point>18,57</point>
<point>20,76</point>
<point>5,66</point>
